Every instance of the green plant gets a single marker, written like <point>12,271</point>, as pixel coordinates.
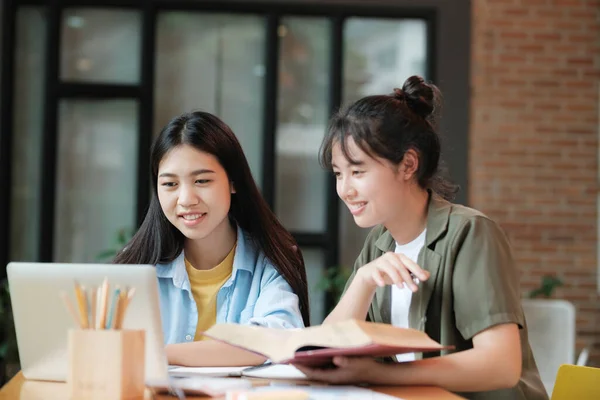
<point>334,281</point>
<point>547,286</point>
<point>122,237</point>
<point>9,353</point>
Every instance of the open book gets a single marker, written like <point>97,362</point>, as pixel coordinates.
<point>317,345</point>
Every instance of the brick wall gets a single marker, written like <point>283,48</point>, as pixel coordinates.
<point>534,140</point>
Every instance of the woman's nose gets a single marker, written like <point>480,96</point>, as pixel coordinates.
<point>187,196</point>
<point>346,190</point>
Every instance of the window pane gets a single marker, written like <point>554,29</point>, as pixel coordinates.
<point>96,176</point>
<point>214,63</point>
<point>303,112</point>
<point>30,53</point>
<point>101,46</point>
<point>380,54</point>
<point>314,260</point>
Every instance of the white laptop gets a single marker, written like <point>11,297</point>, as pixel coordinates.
<point>42,320</point>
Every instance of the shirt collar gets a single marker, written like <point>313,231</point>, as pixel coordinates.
<point>244,259</point>
<point>438,212</point>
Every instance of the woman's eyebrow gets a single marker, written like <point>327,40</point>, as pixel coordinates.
<point>193,173</point>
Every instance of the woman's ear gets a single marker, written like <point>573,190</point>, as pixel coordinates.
<point>410,164</point>
<point>231,187</point>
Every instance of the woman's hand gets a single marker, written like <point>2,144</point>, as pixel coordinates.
<point>353,370</point>
<point>392,269</point>
<point>389,269</point>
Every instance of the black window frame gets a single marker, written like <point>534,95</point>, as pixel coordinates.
<point>448,42</point>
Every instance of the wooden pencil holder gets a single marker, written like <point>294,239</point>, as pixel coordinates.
<point>106,364</point>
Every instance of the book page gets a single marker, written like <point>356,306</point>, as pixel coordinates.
<point>345,334</point>
<point>279,344</point>
<point>359,337</point>
<point>389,335</point>
<point>269,342</point>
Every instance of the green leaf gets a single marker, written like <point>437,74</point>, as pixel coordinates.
<point>547,286</point>
<point>334,281</point>
<point>107,254</point>
<point>122,236</point>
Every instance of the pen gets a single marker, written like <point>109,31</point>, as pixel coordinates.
<point>256,367</point>
<point>103,304</point>
<point>90,302</point>
<point>130,295</point>
<point>122,308</point>
<point>113,309</point>
<point>415,279</point>
<point>98,307</point>
<point>82,305</point>
<point>70,308</point>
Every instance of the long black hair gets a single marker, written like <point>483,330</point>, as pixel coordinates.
<point>158,241</point>
<point>389,125</point>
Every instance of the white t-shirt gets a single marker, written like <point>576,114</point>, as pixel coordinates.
<point>401,297</point>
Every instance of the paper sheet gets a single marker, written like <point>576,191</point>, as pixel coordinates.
<point>201,385</point>
<point>277,371</point>
<point>331,392</point>
<point>176,371</point>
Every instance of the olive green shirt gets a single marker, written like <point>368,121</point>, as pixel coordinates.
<point>473,285</point>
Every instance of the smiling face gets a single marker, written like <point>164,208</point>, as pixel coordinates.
<point>372,188</point>
<point>194,192</point>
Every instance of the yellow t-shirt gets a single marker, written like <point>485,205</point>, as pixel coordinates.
<point>205,285</point>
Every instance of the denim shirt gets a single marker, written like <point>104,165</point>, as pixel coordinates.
<point>254,294</point>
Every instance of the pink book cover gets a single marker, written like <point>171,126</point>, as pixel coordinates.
<point>324,356</point>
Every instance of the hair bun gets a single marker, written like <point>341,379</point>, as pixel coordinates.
<point>398,94</point>
<point>420,96</point>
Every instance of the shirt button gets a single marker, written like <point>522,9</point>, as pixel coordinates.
<point>188,337</point>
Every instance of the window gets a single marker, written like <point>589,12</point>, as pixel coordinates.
<point>113,75</point>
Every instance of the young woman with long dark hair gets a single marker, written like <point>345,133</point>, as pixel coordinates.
<point>220,252</point>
